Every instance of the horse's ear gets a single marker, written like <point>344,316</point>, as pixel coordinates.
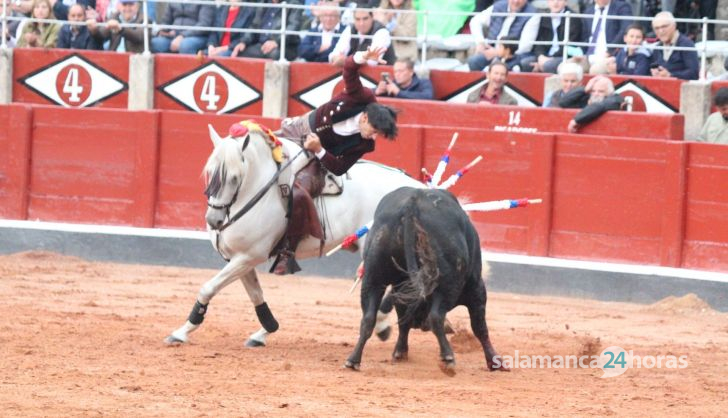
<point>214,136</point>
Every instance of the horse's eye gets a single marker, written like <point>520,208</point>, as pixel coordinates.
<point>233,179</point>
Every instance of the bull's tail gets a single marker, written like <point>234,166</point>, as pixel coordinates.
<point>421,264</point>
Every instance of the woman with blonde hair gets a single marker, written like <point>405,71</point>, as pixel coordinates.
<point>38,34</point>
<point>393,14</point>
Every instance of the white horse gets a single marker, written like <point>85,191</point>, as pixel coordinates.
<point>241,170</point>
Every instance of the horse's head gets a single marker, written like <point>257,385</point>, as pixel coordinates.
<point>224,173</point>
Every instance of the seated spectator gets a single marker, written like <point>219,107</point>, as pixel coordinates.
<point>715,129</point>
<point>633,59</point>
<point>61,7</point>
<point>406,84</point>
<point>321,40</point>
<point>492,91</point>
<point>14,27</point>
<point>184,41</point>
<point>594,100</point>
<point>505,50</point>
<point>229,15</point>
<point>523,28</point>
<point>267,45</point>
<point>36,34</point>
<point>551,29</point>
<point>121,39</point>
<point>76,36</point>
<point>570,76</point>
<point>392,14</point>
<point>668,62</point>
<point>352,39</point>
<point>600,31</point>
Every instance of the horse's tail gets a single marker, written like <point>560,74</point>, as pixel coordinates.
<point>421,263</point>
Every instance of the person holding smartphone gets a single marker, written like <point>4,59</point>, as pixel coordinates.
<point>406,84</point>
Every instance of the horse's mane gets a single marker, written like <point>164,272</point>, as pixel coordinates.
<point>226,159</point>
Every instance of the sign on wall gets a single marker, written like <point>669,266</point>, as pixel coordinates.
<point>69,79</point>
<point>203,85</point>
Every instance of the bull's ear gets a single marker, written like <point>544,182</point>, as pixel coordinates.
<point>214,136</point>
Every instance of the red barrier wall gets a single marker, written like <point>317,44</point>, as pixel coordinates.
<point>204,85</point>
<point>530,120</point>
<point>70,78</point>
<point>605,198</point>
<point>706,227</point>
<point>515,165</point>
<point>15,146</point>
<point>93,166</point>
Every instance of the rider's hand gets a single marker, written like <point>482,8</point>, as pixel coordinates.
<point>312,143</point>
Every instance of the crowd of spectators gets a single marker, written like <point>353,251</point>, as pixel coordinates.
<point>507,36</point>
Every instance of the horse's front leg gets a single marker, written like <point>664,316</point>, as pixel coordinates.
<point>233,270</point>
<point>265,316</point>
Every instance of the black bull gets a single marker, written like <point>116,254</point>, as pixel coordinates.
<point>424,245</point>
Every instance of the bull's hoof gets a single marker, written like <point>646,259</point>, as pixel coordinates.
<point>171,340</point>
<point>352,366</point>
<point>398,356</point>
<point>254,343</point>
<point>448,367</point>
<point>501,368</point>
<point>385,333</point>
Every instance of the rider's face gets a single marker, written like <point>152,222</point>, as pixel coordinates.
<point>366,129</point>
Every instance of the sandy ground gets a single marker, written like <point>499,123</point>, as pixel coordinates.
<point>82,338</point>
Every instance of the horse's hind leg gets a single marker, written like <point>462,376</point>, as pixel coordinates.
<point>265,316</point>
<point>227,275</point>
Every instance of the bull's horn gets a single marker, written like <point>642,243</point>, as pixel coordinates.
<point>213,135</point>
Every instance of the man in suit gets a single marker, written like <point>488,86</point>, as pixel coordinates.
<point>600,31</point>
<point>338,133</point>
<point>668,62</point>
<point>320,42</point>
<point>548,57</point>
<point>522,27</point>
<point>267,45</point>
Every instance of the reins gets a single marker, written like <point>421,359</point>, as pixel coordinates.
<point>259,195</point>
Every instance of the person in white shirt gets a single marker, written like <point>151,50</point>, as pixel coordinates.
<point>364,33</point>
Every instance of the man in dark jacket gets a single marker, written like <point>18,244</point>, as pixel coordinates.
<point>406,84</point>
<point>668,62</point>
<point>226,43</point>
<point>551,29</point>
<point>320,42</point>
<point>599,30</point>
<point>594,100</point>
<point>76,36</point>
<point>184,41</point>
<point>267,45</point>
<point>338,133</point>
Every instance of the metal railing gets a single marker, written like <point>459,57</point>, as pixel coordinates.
<point>424,39</point>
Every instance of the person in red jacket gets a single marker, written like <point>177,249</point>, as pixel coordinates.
<point>338,133</point>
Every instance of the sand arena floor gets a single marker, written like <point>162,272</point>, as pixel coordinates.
<point>83,338</point>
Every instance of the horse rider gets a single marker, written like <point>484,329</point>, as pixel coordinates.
<point>338,133</point>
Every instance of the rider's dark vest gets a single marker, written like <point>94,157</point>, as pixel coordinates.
<point>354,44</point>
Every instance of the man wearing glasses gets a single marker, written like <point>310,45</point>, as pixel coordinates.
<point>669,62</point>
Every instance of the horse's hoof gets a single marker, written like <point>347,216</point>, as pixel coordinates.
<point>172,340</point>
<point>385,333</point>
<point>254,343</point>
<point>352,366</point>
<point>399,356</point>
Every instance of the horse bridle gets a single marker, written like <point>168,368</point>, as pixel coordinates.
<point>256,198</point>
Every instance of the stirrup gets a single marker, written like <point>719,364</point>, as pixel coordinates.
<point>285,263</point>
